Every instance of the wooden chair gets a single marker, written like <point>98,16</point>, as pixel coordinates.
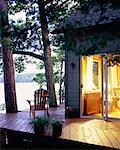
<point>40,102</point>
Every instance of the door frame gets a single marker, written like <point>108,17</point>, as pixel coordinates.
<point>105,67</point>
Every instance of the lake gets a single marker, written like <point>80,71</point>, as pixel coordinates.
<point>23,91</point>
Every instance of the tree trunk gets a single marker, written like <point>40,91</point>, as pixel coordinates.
<point>9,81</point>
<point>47,55</point>
<point>8,68</point>
<point>60,82</point>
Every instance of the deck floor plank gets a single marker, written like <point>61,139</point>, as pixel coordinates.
<point>104,138</point>
<point>73,132</point>
<point>116,136</point>
<point>28,127</point>
<point>88,136</point>
<point>92,131</point>
<point>7,122</point>
<point>2,122</point>
<point>66,133</point>
<point>96,137</point>
<point>80,134</point>
<point>13,124</point>
<point>20,125</point>
<point>24,127</point>
<point>112,139</point>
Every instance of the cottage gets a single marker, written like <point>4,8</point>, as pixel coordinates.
<point>92,85</point>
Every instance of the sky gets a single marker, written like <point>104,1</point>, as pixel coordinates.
<point>18,16</point>
<point>29,68</point>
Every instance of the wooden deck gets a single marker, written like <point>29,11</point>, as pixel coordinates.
<point>91,131</point>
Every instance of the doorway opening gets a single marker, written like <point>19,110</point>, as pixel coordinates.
<point>100,92</point>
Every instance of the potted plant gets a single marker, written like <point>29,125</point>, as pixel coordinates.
<point>56,127</point>
<point>39,125</point>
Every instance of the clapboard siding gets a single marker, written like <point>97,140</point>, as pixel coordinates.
<point>113,45</point>
<point>72,80</point>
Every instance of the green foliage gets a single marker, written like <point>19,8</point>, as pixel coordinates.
<point>46,121</point>
<point>92,40</point>
<point>16,5</point>
<point>58,59</point>
<point>25,37</point>
<point>113,59</point>
<point>19,64</point>
<point>84,4</point>
<point>27,33</point>
<point>40,65</point>
<point>42,121</point>
<point>56,76</point>
<point>56,122</point>
<point>40,79</point>
<point>92,43</point>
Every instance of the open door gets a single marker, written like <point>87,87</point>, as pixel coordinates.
<point>100,88</point>
<point>113,94</point>
<point>91,81</point>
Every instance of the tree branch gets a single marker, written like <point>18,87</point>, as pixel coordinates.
<point>30,54</point>
<point>47,2</point>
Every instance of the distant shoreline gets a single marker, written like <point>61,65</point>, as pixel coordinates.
<point>22,82</point>
<point>21,78</point>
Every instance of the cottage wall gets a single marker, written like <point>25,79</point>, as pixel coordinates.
<point>72,62</point>
<point>72,83</point>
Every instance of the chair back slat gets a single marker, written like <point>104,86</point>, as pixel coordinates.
<point>40,99</point>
